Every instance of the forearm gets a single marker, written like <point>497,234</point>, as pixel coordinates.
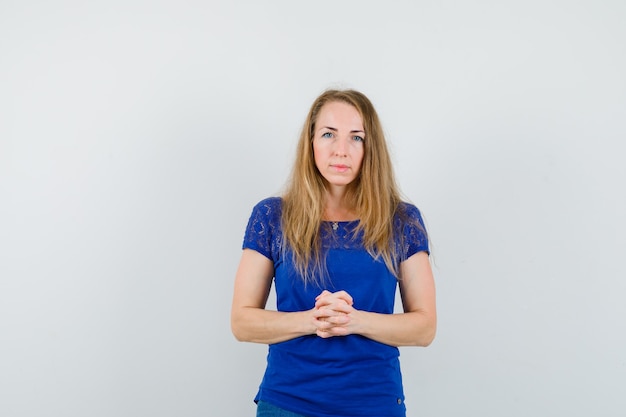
<point>251,324</point>
<point>414,328</point>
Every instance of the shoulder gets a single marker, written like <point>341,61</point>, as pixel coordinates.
<point>268,210</point>
<point>409,218</point>
<point>408,211</point>
<point>263,231</point>
<point>265,218</point>
<point>412,233</point>
<point>270,203</point>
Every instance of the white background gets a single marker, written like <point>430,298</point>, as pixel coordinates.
<point>135,137</point>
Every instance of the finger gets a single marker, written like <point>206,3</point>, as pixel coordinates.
<point>340,320</point>
<point>330,322</point>
<point>335,307</point>
<point>332,331</point>
<point>322,314</point>
<point>322,294</point>
<point>345,296</point>
<point>323,334</point>
<point>332,299</point>
<point>324,300</point>
<point>325,330</point>
<point>328,311</point>
<point>326,297</point>
<point>323,327</point>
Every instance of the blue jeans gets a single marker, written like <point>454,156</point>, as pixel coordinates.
<point>264,409</point>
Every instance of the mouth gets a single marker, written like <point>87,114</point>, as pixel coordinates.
<point>340,167</point>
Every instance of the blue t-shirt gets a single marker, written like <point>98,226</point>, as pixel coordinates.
<point>339,376</point>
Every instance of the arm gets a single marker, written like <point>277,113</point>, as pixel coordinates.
<point>415,327</point>
<point>250,322</point>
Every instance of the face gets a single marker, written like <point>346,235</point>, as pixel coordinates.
<point>338,143</point>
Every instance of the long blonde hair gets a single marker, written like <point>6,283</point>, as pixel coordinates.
<point>373,195</point>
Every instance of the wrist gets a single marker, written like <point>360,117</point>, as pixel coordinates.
<point>307,322</point>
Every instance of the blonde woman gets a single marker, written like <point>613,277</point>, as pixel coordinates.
<point>337,244</point>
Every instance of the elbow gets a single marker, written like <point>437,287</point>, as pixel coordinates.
<point>427,335</point>
<point>238,336</point>
<point>237,330</point>
<point>427,339</point>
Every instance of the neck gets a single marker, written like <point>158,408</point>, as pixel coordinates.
<point>336,208</point>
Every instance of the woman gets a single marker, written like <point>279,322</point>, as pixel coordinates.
<point>337,244</point>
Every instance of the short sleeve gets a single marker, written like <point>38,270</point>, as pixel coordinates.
<point>263,231</point>
<point>414,236</point>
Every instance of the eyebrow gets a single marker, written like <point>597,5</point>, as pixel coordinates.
<point>335,129</point>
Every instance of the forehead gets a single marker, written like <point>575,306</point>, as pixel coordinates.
<point>338,114</point>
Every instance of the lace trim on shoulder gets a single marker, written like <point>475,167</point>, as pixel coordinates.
<point>264,233</point>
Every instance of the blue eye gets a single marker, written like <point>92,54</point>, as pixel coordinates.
<point>327,135</point>
<point>357,138</point>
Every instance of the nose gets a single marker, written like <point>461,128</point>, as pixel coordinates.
<point>341,147</point>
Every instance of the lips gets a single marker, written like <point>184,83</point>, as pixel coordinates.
<point>340,167</point>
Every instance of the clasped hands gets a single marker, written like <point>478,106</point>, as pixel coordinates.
<point>333,314</point>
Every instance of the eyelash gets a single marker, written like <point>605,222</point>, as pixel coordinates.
<point>330,135</point>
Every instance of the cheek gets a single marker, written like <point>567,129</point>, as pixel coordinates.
<point>317,154</point>
<point>360,156</point>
